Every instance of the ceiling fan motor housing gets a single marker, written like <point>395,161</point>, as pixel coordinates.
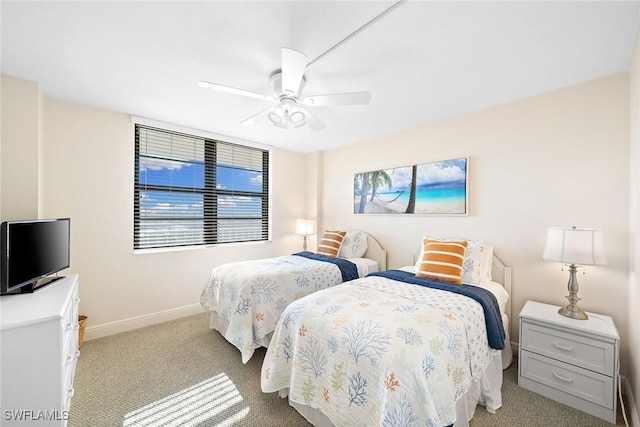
<point>276,85</point>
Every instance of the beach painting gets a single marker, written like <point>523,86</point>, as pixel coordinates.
<point>437,188</point>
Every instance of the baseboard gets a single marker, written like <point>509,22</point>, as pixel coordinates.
<point>515,347</point>
<point>111,328</point>
<point>629,402</point>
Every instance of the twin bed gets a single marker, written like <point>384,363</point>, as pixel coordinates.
<point>246,298</point>
<point>389,349</point>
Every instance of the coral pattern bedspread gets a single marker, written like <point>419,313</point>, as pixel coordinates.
<point>379,352</point>
<point>251,295</point>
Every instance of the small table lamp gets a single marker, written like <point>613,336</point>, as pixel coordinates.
<point>574,246</point>
<point>305,227</point>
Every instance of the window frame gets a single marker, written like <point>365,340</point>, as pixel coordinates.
<point>209,191</point>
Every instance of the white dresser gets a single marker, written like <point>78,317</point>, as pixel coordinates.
<point>572,361</point>
<point>39,350</point>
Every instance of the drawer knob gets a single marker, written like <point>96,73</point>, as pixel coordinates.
<point>74,355</point>
<point>562,377</point>
<point>562,346</point>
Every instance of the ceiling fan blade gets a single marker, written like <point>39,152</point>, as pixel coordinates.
<point>293,65</point>
<point>312,121</point>
<point>252,120</point>
<point>234,90</point>
<point>352,98</point>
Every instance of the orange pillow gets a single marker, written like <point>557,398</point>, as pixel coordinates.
<point>330,243</point>
<point>442,260</point>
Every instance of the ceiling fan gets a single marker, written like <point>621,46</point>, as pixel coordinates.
<point>287,83</point>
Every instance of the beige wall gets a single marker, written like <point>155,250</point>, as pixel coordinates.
<point>633,302</point>
<point>89,175</point>
<point>21,183</point>
<point>559,159</point>
<point>87,171</point>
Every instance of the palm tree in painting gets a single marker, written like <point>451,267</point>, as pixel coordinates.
<point>364,189</point>
<point>411,206</point>
<point>379,179</point>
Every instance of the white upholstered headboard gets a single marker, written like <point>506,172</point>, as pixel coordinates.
<point>375,252</point>
<point>500,273</point>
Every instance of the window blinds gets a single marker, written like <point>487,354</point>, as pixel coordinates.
<point>191,190</point>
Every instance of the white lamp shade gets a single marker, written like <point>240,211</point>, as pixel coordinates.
<point>305,227</point>
<point>580,246</point>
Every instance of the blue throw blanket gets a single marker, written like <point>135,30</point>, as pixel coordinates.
<point>348,269</point>
<point>492,316</point>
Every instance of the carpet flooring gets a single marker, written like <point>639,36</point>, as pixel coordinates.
<point>181,373</point>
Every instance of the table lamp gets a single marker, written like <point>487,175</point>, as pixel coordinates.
<point>573,247</point>
<point>305,227</point>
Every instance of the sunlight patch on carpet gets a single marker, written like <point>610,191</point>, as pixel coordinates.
<point>191,406</point>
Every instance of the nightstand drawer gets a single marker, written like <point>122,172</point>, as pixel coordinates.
<point>582,383</point>
<point>593,354</point>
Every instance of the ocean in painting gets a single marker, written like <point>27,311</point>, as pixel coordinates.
<point>447,199</point>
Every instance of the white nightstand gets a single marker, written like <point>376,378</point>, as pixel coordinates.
<point>574,362</point>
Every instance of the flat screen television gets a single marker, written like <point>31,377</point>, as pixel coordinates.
<point>31,251</point>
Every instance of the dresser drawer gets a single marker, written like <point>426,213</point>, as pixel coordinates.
<point>69,375</point>
<point>582,383</point>
<point>69,325</point>
<point>587,352</point>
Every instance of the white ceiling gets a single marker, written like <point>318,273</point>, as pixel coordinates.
<point>424,61</point>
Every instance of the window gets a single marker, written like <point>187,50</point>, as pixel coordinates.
<point>191,190</point>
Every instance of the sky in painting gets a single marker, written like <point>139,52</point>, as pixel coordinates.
<point>448,171</point>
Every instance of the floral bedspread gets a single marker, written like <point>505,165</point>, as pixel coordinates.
<point>379,352</point>
<point>251,295</point>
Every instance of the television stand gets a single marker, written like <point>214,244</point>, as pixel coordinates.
<point>39,352</point>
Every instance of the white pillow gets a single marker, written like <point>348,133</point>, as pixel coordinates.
<point>476,267</point>
<point>354,245</point>
<point>487,263</point>
<point>502,296</point>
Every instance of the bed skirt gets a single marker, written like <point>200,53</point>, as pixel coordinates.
<point>507,353</point>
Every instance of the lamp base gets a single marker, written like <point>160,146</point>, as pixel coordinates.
<point>574,312</point>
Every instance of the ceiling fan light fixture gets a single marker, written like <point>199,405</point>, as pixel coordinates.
<point>275,118</point>
<point>297,118</point>
<point>287,114</point>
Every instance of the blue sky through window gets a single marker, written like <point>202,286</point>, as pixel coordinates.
<point>184,174</point>
<point>236,179</point>
<point>176,173</point>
